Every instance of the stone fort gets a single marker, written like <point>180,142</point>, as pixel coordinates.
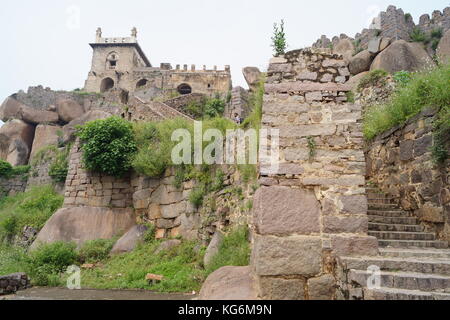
<point>120,63</point>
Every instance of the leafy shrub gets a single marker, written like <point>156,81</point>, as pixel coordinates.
<point>402,77</point>
<point>234,250</point>
<point>373,78</point>
<point>95,250</point>
<point>5,168</point>
<point>214,108</point>
<point>417,35</point>
<point>197,195</point>
<point>108,145</point>
<point>256,102</point>
<point>426,89</point>
<point>150,234</point>
<point>279,43</point>
<point>60,166</point>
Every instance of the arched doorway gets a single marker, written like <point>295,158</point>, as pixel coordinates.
<point>107,84</point>
<point>184,89</point>
<point>141,83</point>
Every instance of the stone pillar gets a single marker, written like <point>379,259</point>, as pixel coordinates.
<point>315,208</point>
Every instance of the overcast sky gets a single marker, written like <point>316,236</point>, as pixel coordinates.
<point>46,42</point>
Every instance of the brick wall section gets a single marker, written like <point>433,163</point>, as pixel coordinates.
<point>13,186</point>
<point>400,163</point>
<point>84,188</point>
<point>315,208</point>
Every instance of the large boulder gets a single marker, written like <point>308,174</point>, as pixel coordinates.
<point>45,135</point>
<point>230,283</point>
<point>13,109</point>
<point>70,128</point>
<point>345,47</point>
<point>360,62</point>
<point>443,50</point>
<point>130,240</point>
<point>402,56</point>
<point>81,224</point>
<point>378,44</point>
<point>213,248</point>
<point>69,110</point>
<point>16,139</point>
<point>252,75</point>
<point>354,81</point>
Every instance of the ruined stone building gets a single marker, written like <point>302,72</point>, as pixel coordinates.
<point>120,63</point>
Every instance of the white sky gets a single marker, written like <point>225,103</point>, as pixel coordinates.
<point>42,43</point>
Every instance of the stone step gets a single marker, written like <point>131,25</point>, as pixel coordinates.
<point>404,280</point>
<point>396,264</point>
<point>371,194</point>
<point>388,213</point>
<point>376,201</point>
<point>413,244</point>
<point>395,227</point>
<point>396,235</point>
<point>416,253</point>
<point>383,206</point>
<point>402,294</point>
<point>392,220</point>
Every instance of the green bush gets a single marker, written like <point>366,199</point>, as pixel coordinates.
<point>425,89</point>
<point>234,250</point>
<point>95,250</point>
<point>108,145</point>
<point>32,208</point>
<point>279,43</point>
<point>373,78</point>
<point>197,195</point>
<point>402,77</point>
<point>417,35</point>
<point>5,169</point>
<point>214,108</point>
<point>60,166</point>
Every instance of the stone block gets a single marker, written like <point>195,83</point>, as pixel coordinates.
<point>164,224</point>
<point>422,145</point>
<point>294,255</point>
<point>173,210</point>
<point>344,224</point>
<point>354,245</point>
<point>283,211</point>
<point>406,150</point>
<point>281,289</point>
<point>356,204</point>
<point>321,288</point>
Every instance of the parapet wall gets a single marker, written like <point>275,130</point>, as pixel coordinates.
<point>400,163</point>
<point>315,208</point>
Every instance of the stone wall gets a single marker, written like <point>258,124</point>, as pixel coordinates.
<point>400,163</point>
<point>315,208</point>
<point>14,282</point>
<point>12,186</point>
<point>239,103</point>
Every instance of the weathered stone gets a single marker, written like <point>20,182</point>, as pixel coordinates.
<point>283,211</point>
<point>287,87</point>
<point>281,289</point>
<point>345,47</point>
<point>70,128</point>
<point>282,168</point>
<point>443,50</point>
<point>154,211</point>
<point>189,226</point>
<point>354,81</point>
<point>354,245</point>
<point>167,245</point>
<point>173,210</point>
<point>164,224</point>
<point>356,204</point>
<point>307,75</point>
<point>35,116</point>
<point>130,240</point>
<point>252,75</point>
<point>423,145</point>
<point>294,255</point>
<point>229,283</point>
<point>429,213</point>
<point>360,62</point>
<point>11,109</point>
<point>406,150</point>
<point>344,224</point>
<point>213,248</point>
<point>81,224</point>
<point>402,56</point>
<point>45,135</point>
<point>321,288</point>
<point>16,138</point>
<point>69,110</point>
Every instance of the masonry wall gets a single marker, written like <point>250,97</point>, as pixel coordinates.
<point>12,186</point>
<point>400,163</point>
<point>314,208</point>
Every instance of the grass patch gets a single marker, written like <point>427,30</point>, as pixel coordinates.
<point>373,78</point>
<point>32,208</point>
<point>425,89</point>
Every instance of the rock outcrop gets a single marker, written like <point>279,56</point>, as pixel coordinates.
<point>213,248</point>
<point>361,62</point>
<point>402,56</point>
<point>345,47</point>
<point>13,109</point>
<point>252,75</point>
<point>229,283</point>
<point>443,50</point>
<point>69,110</point>
<point>70,128</point>
<point>81,224</point>
<point>130,240</point>
<point>16,138</point>
<point>45,135</point>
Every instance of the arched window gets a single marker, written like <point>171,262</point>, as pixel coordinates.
<point>107,84</point>
<point>184,89</point>
<point>141,83</point>
<point>112,60</point>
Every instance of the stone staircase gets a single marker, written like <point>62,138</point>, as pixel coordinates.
<point>412,264</point>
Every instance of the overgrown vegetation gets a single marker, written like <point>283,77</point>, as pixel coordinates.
<point>373,78</point>
<point>423,90</point>
<point>95,250</point>
<point>432,39</point>
<point>32,208</point>
<point>207,108</point>
<point>108,145</point>
<point>279,43</point>
<point>8,171</point>
<point>58,159</point>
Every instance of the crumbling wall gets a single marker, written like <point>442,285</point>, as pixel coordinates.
<point>400,163</point>
<point>12,186</point>
<point>314,208</point>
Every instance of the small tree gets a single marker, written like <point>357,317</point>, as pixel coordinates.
<point>279,43</point>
